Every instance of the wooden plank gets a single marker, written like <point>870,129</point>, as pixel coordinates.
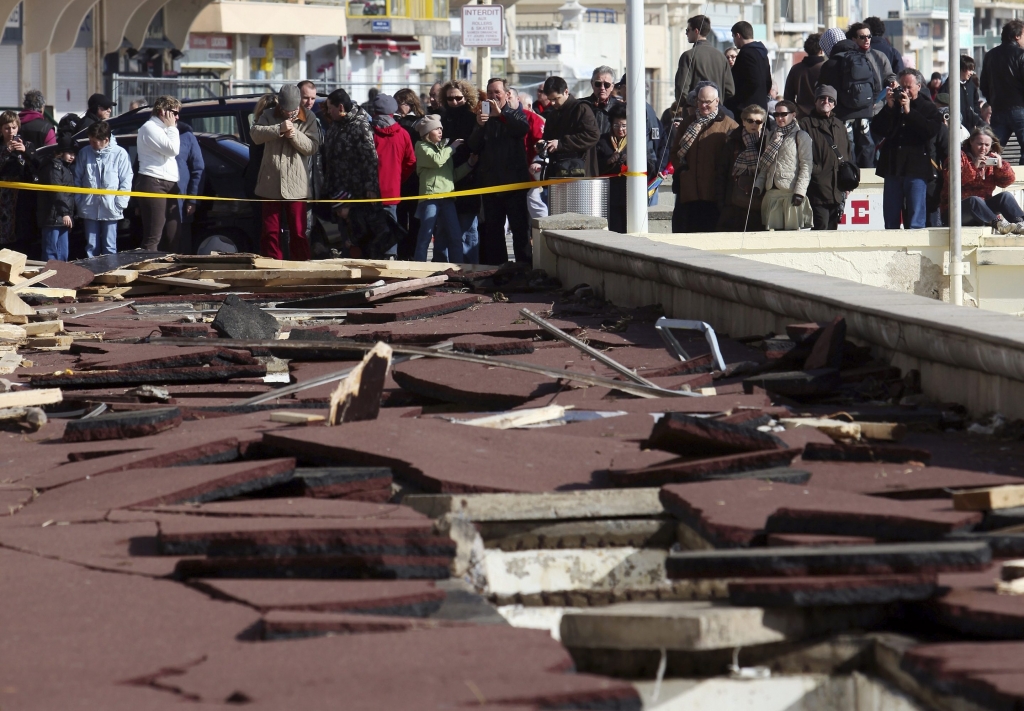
<point>31,398</point>
<point>43,328</point>
<point>17,320</point>
<point>989,498</point>
<point>11,332</point>
<point>116,277</point>
<point>11,303</point>
<point>42,276</point>
<point>12,264</point>
<point>295,418</point>
<point>189,283</point>
<point>50,342</point>
<point>9,362</point>
<point>268,275</point>
<point>518,418</point>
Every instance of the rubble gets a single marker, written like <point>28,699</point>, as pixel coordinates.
<point>369,478</point>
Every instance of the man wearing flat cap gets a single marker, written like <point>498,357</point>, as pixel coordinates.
<point>826,130</point>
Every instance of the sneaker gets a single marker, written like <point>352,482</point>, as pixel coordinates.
<point>1002,227</point>
<point>1018,227</point>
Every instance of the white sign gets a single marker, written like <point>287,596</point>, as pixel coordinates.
<point>863,212</point>
<point>483,25</point>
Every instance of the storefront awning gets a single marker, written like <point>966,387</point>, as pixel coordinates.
<point>396,45</point>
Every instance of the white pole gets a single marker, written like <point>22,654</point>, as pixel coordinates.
<point>636,119</point>
<point>956,284</point>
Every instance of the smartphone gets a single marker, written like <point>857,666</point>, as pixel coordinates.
<point>485,108</point>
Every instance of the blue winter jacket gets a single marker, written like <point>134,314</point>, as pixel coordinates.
<point>191,168</point>
<point>109,169</point>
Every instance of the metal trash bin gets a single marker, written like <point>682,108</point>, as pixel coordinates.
<point>584,197</point>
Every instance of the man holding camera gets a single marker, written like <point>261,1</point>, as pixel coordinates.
<point>906,126</point>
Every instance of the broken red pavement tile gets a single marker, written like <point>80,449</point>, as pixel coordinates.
<point>828,347</point>
<point>414,309</point>
<point>797,383</point>
<point>832,590</point>
<point>68,276</point>
<point>186,330</point>
<point>986,673</point>
<point>492,345</point>
<point>124,356</point>
<point>702,437</point>
<point>788,540</point>
<point>335,482</point>
<point>403,598</point>
<point>155,376</point>
<point>690,470</point>
<point>377,514</point>
<point>280,625</point>
<point>122,425</point>
<point>837,452</point>
<point>898,481</point>
<point>979,613</point>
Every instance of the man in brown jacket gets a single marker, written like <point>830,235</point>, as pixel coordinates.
<point>697,159</point>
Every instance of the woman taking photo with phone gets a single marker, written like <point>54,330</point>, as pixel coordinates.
<point>14,167</point>
<point>982,170</point>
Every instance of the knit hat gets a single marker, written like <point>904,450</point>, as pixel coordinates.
<point>427,124</point>
<point>826,90</point>
<point>67,144</point>
<point>383,105</point>
<point>831,37</point>
<point>288,98</point>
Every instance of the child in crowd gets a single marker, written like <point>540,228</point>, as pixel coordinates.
<point>102,164</point>
<point>437,175</point>
<point>54,210</point>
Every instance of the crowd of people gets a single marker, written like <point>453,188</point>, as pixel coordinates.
<point>743,156</point>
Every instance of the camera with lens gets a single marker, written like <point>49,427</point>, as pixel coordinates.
<point>898,92</point>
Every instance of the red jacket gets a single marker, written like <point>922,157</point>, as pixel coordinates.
<point>977,183</point>
<point>396,159</point>
<point>535,134</point>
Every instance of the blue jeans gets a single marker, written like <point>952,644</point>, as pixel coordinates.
<point>470,238</point>
<point>100,237</point>
<point>904,200</point>
<point>1008,122</point>
<point>449,233</point>
<point>55,243</point>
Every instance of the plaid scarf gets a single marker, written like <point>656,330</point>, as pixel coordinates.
<point>746,161</point>
<point>771,152</point>
<point>692,132</point>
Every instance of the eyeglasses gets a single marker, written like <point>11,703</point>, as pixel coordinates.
<point>619,126</point>
<point>602,84</point>
<point>863,37</point>
<point>754,122</point>
<point>780,114</point>
<point>826,99</point>
<point>457,99</point>
<point>708,103</point>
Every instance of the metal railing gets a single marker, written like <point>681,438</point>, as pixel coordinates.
<point>128,89</point>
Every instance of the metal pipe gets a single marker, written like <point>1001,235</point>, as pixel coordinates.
<point>636,120</point>
<point>956,265</point>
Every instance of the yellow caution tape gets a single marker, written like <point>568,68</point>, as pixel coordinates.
<point>436,196</point>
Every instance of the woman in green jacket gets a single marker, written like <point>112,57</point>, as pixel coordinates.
<point>437,175</point>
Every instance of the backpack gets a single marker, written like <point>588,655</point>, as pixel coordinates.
<point>857,81</point>
<point>68,125</point>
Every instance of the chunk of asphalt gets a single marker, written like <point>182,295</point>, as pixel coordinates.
<point>122,425</point>
<point>830,560</point>
<point>238,319</point>
<point>331,482</point>
<point>701,437</point>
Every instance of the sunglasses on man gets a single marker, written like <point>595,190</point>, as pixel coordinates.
<point>602,84</point>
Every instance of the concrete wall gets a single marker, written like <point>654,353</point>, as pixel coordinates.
<point>964,355</point>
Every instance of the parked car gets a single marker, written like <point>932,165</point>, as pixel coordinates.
<point>225,157</point>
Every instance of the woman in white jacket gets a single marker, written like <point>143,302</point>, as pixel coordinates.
<point>158,146</point>
<point>784,172</point>
<point>105,165</point>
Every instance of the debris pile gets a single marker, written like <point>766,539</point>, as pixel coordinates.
<point>364,480</point>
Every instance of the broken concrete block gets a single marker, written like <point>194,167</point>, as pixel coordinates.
<point>699,626</point>
<point>833,590</point>
<point>593,504</point>
<point>436,305</point>
<point>238,319</point>
<point>30,419</point>
<point>830,560</point>
<point>357,397</point>
<point>122,425</point>
<point>698,437</point>
<point>534,572</point>
<point>797,383</point>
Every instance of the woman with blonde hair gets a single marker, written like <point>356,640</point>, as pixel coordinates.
<point>461,101</point>
<point>982,170</point>
<point>14,167</point>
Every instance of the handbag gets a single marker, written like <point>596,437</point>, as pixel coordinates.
<point>848,174</point>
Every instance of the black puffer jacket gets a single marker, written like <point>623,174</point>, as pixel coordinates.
<point>1002,76</point>
<point>574,127</point>
<point>52,208</point>
<point>909,139</point>
<point>460,122</point>
<point>752,75</point>
<point>824,133</point>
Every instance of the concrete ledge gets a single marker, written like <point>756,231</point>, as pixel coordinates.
<point>964,355</point>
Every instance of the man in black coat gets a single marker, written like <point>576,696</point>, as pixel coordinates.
<point>498,140</point>
<point>1002,83</point>
<point>100,108</point>
<point>909,123</point>
<point>752,73</point>
<point>603,99</point>
<point>969,105</point>
<point>826,131</point>
<point>570,133</point>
